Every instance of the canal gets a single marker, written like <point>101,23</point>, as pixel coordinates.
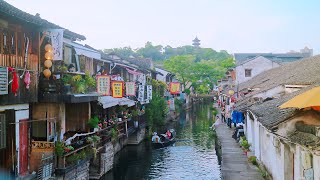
<point>193,156</point>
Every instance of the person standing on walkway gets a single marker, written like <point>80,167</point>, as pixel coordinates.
<point>228,119</point>
<point>223,119</point>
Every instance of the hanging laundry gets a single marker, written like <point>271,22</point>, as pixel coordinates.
<point>27,80</point>
<point>15,81</point>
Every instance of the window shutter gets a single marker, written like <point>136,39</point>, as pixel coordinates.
<point>3,80</point>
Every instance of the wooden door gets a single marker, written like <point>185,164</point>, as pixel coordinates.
<point>8,159</point>
<point>23,147</point>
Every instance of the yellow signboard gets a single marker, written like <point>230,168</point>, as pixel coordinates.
<point>117,89</point>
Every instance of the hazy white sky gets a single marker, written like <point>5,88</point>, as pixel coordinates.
<point>232,25</point>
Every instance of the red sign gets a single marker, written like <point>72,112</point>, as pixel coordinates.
<point>174,88</point>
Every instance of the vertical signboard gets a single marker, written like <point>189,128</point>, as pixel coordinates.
<point>117,89</point>
<point>141,93</point>
<point>130,88</point>
<point>149,92</point>
<point>103,85</point>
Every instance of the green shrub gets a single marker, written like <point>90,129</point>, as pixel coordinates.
<point>253,160</point>
<point>245,144</point>
<point>59,148</point>
<point>93,122</point>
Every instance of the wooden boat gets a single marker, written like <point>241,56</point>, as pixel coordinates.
<point>164,140</point>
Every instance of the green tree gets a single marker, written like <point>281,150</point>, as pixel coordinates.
<point>182,67</point>
<point>150,51</point>
<point>124,52</point>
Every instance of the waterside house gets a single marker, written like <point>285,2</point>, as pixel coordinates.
<point>249,65</point>
<point>65,108</point>
<point>285,141</point>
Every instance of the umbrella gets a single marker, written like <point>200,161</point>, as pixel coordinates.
<point>310,98</point>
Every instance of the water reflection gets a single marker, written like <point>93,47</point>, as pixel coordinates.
<point>192,157</point>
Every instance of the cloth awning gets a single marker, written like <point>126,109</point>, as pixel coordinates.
<point>109,101</point>
<point>82,50</point>
<point>126,102</point>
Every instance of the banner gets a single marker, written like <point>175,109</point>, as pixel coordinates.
<point>57,43</point>
<point>103,85</point>
<point>174,88</point>
<point>171,104</point>
<point>117,89</point>
<point>141,93</point>
<point>149,92</point>
<point>130,88</point>
<point>142,79</point>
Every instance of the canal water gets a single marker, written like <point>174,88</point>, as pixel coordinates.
<point>193,156</point>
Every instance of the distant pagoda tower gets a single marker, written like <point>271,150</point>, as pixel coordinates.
<point>196,42</point>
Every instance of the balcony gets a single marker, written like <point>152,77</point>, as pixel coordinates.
<point>68,87</point>
<point>86,145</point>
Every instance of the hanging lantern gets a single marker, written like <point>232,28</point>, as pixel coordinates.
<point>48,63</point>
<point>231,92</point>
<point>49,55</point>
<point>47,73</point>
<point>48,48</point>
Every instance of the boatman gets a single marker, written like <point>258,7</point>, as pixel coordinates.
<point>155,138</point>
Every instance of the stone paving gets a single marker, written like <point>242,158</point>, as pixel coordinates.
<point>235,165</point>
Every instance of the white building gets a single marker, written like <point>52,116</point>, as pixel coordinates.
<point>248,69</point>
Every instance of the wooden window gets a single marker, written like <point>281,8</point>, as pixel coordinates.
<point>2,131</point>
<point>3,80</point>
<point>67,55</point>
<point>247,72</point>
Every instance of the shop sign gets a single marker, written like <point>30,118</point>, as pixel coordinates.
<point>103,85</point>
<point>117,89</point>
<point>130,88</point>
<point>174,88</point>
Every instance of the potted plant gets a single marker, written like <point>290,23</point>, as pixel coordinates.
<point>63,68</point>
<point>66,79</point>
<point>114,135</point>
<point>93,123</point>
<point>59,148</point>
<point>90,81</point>
<point>135,114</point>
<point>245,145</point>
<point>68,149</point>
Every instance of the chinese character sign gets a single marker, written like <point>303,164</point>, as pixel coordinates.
<point>130,88</point>
<point>57,43</point>
<point>103,85</point>
<point>142,79</point>
<point>117,89</point>
<point>149,92</point>
<point>141,93</point>
<point>174,88</point>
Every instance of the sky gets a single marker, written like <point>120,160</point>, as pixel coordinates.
<point>237,26</point>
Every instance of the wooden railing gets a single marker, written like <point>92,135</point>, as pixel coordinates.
<point>84,149</point>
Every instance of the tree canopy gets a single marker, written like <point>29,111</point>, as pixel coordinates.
<point>194,67</point>
<point>199,75</point>
<point>160,53</point>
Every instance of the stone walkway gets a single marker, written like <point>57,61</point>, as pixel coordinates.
<point>235,165</point>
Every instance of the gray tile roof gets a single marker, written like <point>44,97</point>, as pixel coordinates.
<point>302,72</point>
<point>268,112</point>
<point>306,139</point>
<point>13,12</point>
<point>277,57</point>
